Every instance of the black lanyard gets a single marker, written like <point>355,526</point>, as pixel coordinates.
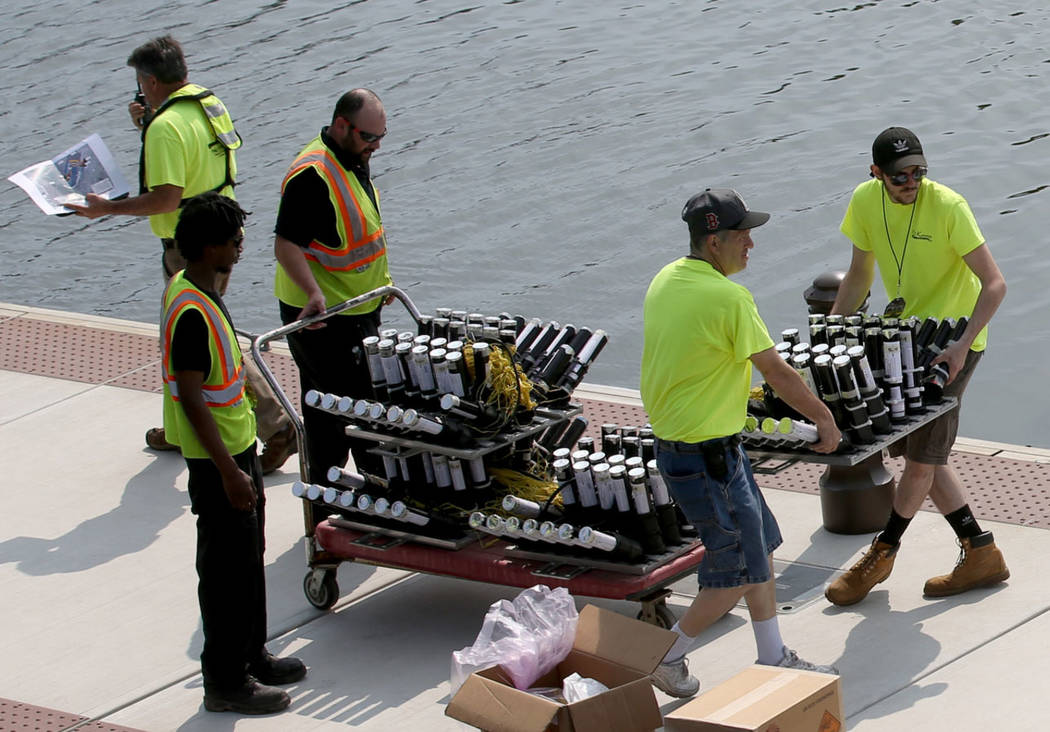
<point>907,235</point>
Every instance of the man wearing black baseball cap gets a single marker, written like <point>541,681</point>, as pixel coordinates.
<point>702,335</point>
<point>934,262</point>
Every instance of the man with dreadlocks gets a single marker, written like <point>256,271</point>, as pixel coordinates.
<point>207,415</point>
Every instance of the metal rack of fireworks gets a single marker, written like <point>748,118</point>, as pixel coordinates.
<point>775,459</point>
<point>472,555</point>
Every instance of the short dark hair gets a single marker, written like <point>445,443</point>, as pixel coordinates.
<point>160,58</point>
<point>350,103</point>
<point>207,220</point>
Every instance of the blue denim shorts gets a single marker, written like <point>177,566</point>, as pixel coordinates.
<point>736,526</point>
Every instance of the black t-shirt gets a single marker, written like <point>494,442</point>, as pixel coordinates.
<point>189,342</point>
<point>305,213</point>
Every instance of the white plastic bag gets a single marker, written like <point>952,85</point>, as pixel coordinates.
<point>576,688</point>
<point>527,636</point>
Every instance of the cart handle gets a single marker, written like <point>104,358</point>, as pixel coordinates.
<point>258,341</point>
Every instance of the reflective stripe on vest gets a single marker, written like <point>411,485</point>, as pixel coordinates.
<point>359,246</point>
<point>231,391</point>
<point>221,126</point>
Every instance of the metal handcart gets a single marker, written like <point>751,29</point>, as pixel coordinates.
<point>339,538</point>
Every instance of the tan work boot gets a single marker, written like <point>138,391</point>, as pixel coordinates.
<point>870,570</point>
<point>980,564</point>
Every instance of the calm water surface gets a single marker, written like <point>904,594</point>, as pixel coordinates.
<point>539,152</point>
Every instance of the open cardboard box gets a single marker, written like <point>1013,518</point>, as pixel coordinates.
<point>765,699</point>
<point>618,651</point>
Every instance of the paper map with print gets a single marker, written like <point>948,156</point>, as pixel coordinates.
<point>87,167</point>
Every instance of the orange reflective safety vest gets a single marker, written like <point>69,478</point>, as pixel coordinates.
<point>224,385</point>
<point>359,264</point>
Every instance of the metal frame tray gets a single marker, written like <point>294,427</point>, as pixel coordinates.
<point>555,559</point>
<point>542,419</point>
<point>856,453</point>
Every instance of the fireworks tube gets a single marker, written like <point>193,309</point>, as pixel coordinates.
<point>527,334</point>
<point>873,349</point>
<point>618,481</point>
<point>936,377</point>
<point>652,539</point>
<point>555,366</point>
<point>648,448</point>
<point>532,353</point>
<point>479,477</point>
<point>401,512</point>
<point>578,368</point>
<point>299,489</point>
<point>346,478</point>
<point>585,485</point>
<point>611,443</point>
<point>563,337</point>
<point>799,348</point>
<point>482,416</point>
<point>395,387</point>
<point>568,535</point>
<point>854,336</point>
<point>628,549</point>
<point>552,436</point>
<point>631,446</point>
<point>375,366</point>
<point>818,334</point>
<point>783,347</point>
<point>836,335</point>
<point>521,506</point>
<point>437,363</point>
<point>583,445</point>
<point>800,362</point>
<point>455,469</point>
<point>442,475</point>
<point>816,319</point>
<point>790,335</point>
<point>424,371</point>
<point>482,376</point>
<point>603,485</point>
<point>566,484</point>
<point>457,375</point>
<point>577,426</point>
<point>870,392</point>
<point>666,513</point>
<point>403,351</point>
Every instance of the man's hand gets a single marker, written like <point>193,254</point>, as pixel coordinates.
<point>829,435</point>
<point>94,206</point>
<point>138,113</point>
<point>955,356</point>
<point>315,305</point>
<point>240,491</point>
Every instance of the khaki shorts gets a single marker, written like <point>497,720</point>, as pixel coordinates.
<point>932,443</point>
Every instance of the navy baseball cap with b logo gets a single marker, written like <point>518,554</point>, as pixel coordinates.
<point>716,209</point>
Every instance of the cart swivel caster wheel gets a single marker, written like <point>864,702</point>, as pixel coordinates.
<point>321,588</point>
<point>657,614</point>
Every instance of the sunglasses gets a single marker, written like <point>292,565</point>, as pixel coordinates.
<point>901,178</point>
<point>367,137</point>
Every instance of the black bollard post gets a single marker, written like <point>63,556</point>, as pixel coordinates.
<point>854,499</point>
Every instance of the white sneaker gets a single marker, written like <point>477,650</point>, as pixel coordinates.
<point>790,659</point>
<point>674,679</point>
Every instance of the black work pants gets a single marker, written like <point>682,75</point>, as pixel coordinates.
<point>230,569</point>
<point>332,359</point>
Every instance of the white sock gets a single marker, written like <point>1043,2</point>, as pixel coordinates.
<point>767,638</point>
<point>680,647</point>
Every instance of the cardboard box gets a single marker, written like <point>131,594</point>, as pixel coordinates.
<point>618,651</point>
<point>765,699</point>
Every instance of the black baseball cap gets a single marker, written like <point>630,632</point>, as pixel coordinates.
<point>896,148</point>
<point>716,209</point>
